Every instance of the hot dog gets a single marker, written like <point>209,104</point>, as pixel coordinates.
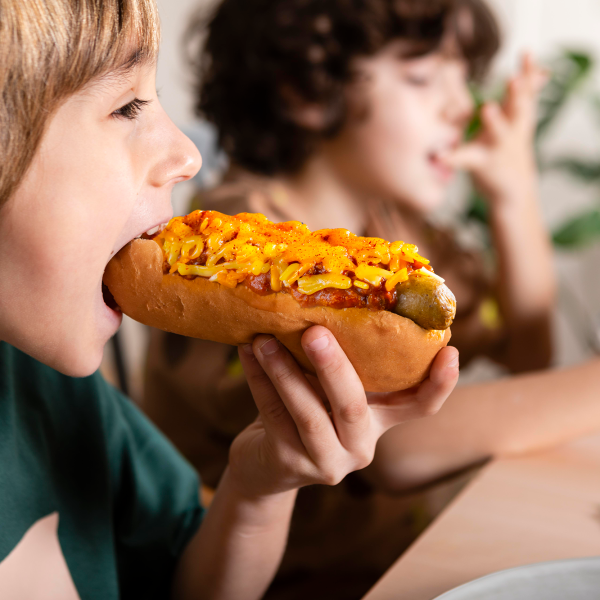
<point>228,278</point>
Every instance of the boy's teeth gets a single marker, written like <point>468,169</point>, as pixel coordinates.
<point>156,229</point>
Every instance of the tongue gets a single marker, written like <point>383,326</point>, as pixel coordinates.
<point>109,299</point>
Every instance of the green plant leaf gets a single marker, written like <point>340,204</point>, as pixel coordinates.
<point>477,209</point>
<point>587,171</point>
<point>578,232</point>
<point>474,125</point>
<point>569,71</point>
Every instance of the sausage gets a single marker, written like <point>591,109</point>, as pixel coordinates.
<point>426,301</point>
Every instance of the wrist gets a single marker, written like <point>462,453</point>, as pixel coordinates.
<point>508,187</point>
<point>510,199</point>
<point>259,507</point>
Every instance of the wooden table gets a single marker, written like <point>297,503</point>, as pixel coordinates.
<point>515,512</point>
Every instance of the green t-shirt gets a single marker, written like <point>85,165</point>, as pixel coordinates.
<point>79,459</point>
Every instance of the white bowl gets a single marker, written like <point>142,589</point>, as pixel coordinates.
<point>574,579</point>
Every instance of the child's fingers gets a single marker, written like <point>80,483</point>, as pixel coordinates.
<point>514,98</point>
<point>494,121</point>
<point>520,104</point>
<point>528,64</point>
<point>469,157</point>
<point>344,390</point>
<point>310,416</point>
<point>272,411</point>
<point>535,75</point>
<point>442,380</point>
<point>422,401</point>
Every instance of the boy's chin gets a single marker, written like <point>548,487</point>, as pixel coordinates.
<point>73,360</point>
<point>82,353</point>
<point>77,362</point>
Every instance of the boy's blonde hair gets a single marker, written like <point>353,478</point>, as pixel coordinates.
<point>50,49</point>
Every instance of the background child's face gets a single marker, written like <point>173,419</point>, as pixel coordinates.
<point>99,179</point>
<point>402,114</point>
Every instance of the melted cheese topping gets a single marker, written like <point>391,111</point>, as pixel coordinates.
<point>227,249</point>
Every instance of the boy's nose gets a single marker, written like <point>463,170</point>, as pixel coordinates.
<point>181,159</point>
<point>191,159</point>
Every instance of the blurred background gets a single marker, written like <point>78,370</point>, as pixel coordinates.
<point>563,35</point>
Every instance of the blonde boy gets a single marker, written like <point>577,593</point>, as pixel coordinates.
<point>94,503</point>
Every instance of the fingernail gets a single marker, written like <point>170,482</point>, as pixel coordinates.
<point>247,348</point>
<point>453,363</point>
<point>269,347</point>
<point>319,344</point>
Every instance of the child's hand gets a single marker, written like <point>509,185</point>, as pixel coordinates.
<point>501,158</point>
<point>295,441</point>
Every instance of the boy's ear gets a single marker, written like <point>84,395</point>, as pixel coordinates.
<point>308,115</point>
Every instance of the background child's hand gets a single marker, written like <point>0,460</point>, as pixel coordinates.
<point>501,158</point>
<point>296,440</point>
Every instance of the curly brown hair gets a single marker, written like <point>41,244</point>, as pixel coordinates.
<point>256,51</point>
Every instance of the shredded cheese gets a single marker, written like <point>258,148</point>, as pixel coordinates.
<point>228,249</point>
<point>428,273</point>
<point>400,277</point>
<point>315,283</point>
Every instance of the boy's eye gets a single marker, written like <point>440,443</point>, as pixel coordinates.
<point>418,80</point>
<point>130,110</point>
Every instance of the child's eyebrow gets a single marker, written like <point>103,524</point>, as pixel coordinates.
<point>122,71</point>
<point>135,59</point>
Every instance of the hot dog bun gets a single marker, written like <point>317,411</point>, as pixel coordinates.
<point>389,352</point>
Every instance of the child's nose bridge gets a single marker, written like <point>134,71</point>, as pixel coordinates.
<point>459,105</point>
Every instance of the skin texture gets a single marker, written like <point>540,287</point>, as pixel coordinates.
<point>98,180</point>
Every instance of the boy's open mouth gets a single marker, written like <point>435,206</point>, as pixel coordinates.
<point>109,299</point>
<point>107,296</point>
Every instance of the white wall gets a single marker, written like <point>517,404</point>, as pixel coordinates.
<point>172,80</point>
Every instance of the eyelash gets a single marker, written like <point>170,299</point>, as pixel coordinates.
<point>417,80</point>
<point>130,110</point>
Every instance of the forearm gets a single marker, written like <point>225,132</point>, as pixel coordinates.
<point>238,547</point>
<point>526,282</point>
<point>502,418</point>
